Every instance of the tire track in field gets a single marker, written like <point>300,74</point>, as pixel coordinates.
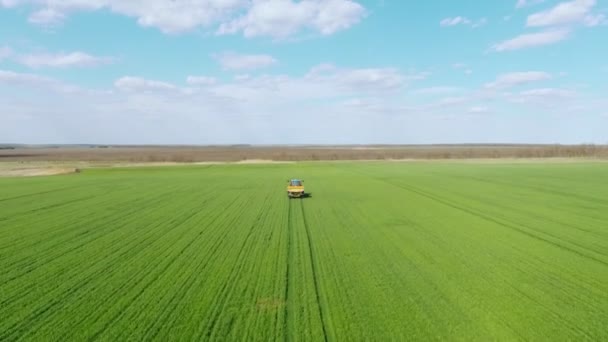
<point>496,316</point>
<point>314,271</point>
<point>40,193</point>
<point>56,231</point>
<point>509,224</point>
<point>158,275</point>
<point>128,284</point>
<point>28,212</point>
<point>168,316</point>
<point>229,286</point>
<point>47,207</point>
<point>287,272</point>
<point>572,326</point>
<point>509,282</point>
<point>33,317</point>
<point>59,298</point>
<point>18,222</point>
<point>63,253</point>
<point>532,213</point>
<point>222,237</point>
<point>149,282</point>
<point>110,228</point>
<point>541,189</point>
<point>185,287</point>
<point>264,320</point>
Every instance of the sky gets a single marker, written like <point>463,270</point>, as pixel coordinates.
<point>303,72</point>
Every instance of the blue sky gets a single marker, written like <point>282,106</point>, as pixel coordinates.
<point>298,72</point>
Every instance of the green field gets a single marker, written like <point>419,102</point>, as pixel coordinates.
<point>380,251</point>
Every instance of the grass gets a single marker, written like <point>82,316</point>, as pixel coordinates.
<point>380,251</point>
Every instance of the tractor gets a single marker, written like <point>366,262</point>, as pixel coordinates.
<point>295,188</point>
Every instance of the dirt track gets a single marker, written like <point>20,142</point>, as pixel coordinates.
<point>33,172</point>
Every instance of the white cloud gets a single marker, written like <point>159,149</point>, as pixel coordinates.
<point>368,104</point>
<point>138,84</point>
<point>336,15</point>
<point>592,20</point>
<point>234,61</point>
<point>168,16</point>
<point>478,110</point>
<point>12,78</point>
<point>258,109</point>
<point>283,18</point>
<point>46,17</point>
<point>449,102</point>
<point>62,60</point>
<point>455,21</point>
<point>463,67</point>
<point>374,79</point>
<point>529,40</point>
<point>10,3</point>
<point>526,3</point>
<point>562,14</point>
<point>517,78</point>
<point>266,109</point>
<point>463,21</point>
<point>276,18</point>
<point>561,20</point>
<point>321,82</point>
<point>54,60</point>
<point>548,92</point>
<point>479,23</point>
<point>365,78</point>
<point>436,90</point>
<point>201,80</point>
<point>503,91</point>
<point>546,97</point>
<point>5,52</point>
<point>242,77</point>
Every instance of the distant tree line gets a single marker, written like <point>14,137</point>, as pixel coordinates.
<point>293,153</point>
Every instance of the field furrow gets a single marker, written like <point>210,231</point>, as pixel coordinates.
<point>378,251</point>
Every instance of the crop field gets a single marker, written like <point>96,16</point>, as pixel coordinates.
<point>379,251</point>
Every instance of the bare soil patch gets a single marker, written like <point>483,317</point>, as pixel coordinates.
<point>262,161</point>
<point>270,304</point>
<point>34,172</point>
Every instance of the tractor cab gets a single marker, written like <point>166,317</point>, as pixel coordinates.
<point>295,188</point>
<point>295,182</point>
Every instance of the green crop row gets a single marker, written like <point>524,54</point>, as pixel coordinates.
<point>378,251</point>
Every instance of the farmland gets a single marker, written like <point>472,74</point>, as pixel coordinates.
<point>379,251</point>
<point>100,154</point>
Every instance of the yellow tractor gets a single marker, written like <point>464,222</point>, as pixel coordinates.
<point>295,188</point>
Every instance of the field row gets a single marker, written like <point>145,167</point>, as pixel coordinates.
<point>379,251</point>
